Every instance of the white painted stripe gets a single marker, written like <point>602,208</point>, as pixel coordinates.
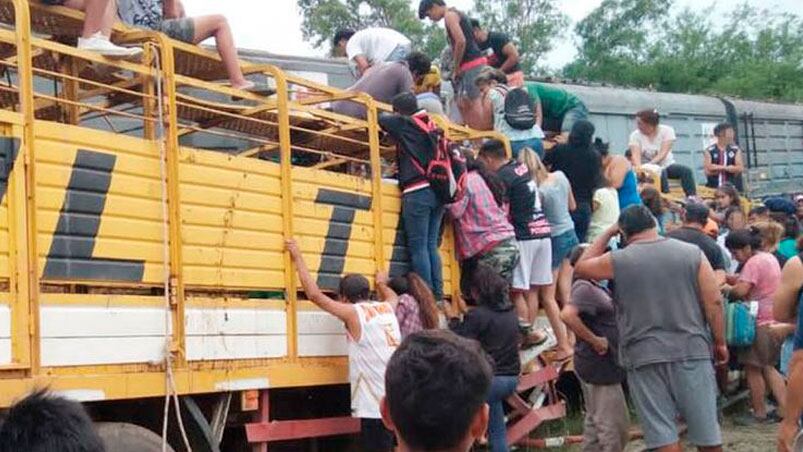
<point>5,321</point>
<point>236,347</point>
<point>82,395</point>
<point>243,384</point>
<point>319,322</point>
<point>5,351</point>
<point>322,345</point>
<point>65,321</point>
<point>101,350</point>
<point>321,334</point>
<point>213,321</point>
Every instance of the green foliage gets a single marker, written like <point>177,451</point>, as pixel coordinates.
<point>532,24</point>
<point>322,19</point>
<point>752,53</point>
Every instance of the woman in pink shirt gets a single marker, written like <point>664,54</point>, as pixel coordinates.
<point>759,279</point>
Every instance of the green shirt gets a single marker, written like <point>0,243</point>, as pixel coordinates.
<point>788,248</point>
<point>555,102</point>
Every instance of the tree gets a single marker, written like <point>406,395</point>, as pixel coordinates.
<point>322,19</point>
<point>534,25</point>
<point>754,53</point>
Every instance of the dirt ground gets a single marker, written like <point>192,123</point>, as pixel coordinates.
<point>735,439</point>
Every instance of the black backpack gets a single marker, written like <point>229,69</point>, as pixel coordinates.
<point>519,108</point>
<point>446,171</point>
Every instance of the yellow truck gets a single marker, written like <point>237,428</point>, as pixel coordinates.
<point>135,269</point>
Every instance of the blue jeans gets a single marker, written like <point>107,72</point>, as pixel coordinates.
<point>582,218</point>
<point>533,143</point>
<point>682,172</point>
<point>502,386</point>
<point>422,214</point>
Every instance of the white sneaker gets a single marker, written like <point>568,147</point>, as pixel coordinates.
<point>100,44</point>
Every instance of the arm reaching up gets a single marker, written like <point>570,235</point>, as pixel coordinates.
<point>343,311</point>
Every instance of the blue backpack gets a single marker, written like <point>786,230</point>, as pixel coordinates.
<point>740,329</point>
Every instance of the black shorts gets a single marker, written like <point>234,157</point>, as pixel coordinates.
<point>374,437</point>
<point>53,2</point>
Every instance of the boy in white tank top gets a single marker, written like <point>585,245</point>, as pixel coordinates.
<point>373,335</point>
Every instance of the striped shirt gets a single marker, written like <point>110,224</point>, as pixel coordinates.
<point>480,223</point>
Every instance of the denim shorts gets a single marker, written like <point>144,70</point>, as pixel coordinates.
<point>576,113</point>
<point>536,144</point>
<point>562,245</point>
<point>179,29</point>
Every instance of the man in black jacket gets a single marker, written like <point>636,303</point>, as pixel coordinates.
<point>422,213</point>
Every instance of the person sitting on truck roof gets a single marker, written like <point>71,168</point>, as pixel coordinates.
<point>559,109</point>
<point>502,53</point>
<point>371,46</point>
<point>385,81</point>
<point>467,58</point>
<point>651,144</point>
<point>422,212</point>
<point>99,17</point>
<point>722,160</point>
<point>446,377</point>
<point>168,17</point>
<point>373,335</point>
<point>42,422</point>
<point>493,85</point>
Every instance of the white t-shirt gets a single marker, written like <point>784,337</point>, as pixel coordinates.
<point>606,212</point>
<point>368,357</point>
<point>650,147</point>
<point>375,44</point>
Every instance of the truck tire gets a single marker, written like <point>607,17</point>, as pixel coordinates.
<point>122,437</point>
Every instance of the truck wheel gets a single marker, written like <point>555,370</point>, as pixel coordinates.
<point>122,437</point>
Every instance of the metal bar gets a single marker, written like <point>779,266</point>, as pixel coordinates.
<point>747,140</point>
<point>8,36</point>
<point>307,428</point>
<point>329,164</point>
<point>376,183</point>
<point>178,345</point>
<point>285,159</point>
<point>753,137</point>
<point>71,89</point>
<point>25,309</point>
<point>149,92</point>
<point>262,417</point>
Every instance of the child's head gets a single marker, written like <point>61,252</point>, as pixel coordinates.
<point>727,196</point>
<point>354,288</point>
<point>435,387</point>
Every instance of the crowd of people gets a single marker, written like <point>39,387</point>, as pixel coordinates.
<point>633,286</point>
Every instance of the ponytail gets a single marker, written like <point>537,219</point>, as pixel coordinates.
<point>427,309</point>
<point>538,170</point>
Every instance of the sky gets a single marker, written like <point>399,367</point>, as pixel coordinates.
<point>275,25</point>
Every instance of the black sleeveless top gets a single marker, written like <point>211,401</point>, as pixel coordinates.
<point>730,159</point>
<point>472,51</point>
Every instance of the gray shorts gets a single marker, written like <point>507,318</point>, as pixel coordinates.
<point>179,29</point>
<point>576,113</point>
<point>466,85</point>
<point>661,392</point>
